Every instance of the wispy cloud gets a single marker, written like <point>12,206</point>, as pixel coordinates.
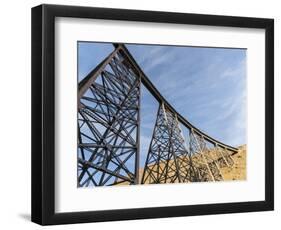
<point>157,57</point>
<point>207,86</point>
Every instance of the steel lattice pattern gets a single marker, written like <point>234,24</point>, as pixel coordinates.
<point>207,168</point>
<point>108,122</point>
<point>109,126</point>
<point>167,160</point>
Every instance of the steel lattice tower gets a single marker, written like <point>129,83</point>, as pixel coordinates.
<point>109,132</point>
<point>167,159</point>
<point>108,125</point>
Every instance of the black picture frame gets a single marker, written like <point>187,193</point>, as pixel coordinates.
<point>43,110</point>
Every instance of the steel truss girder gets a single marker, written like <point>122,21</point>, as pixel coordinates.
<point>153,90</point>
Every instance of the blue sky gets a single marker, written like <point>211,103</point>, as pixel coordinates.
<point>205,85</point>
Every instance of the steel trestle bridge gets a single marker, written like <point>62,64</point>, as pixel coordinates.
<point>109,132</point>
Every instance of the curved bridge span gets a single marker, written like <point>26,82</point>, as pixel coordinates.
<point>109,132</point>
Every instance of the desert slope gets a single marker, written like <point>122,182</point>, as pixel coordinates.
<point>238,170</point>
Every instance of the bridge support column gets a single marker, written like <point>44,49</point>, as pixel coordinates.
<point>108,124</point>
<point>167,159</point>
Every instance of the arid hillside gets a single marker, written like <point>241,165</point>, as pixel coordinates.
<point>238,170</point>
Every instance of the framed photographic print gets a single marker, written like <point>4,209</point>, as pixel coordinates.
<point>142,114</point>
